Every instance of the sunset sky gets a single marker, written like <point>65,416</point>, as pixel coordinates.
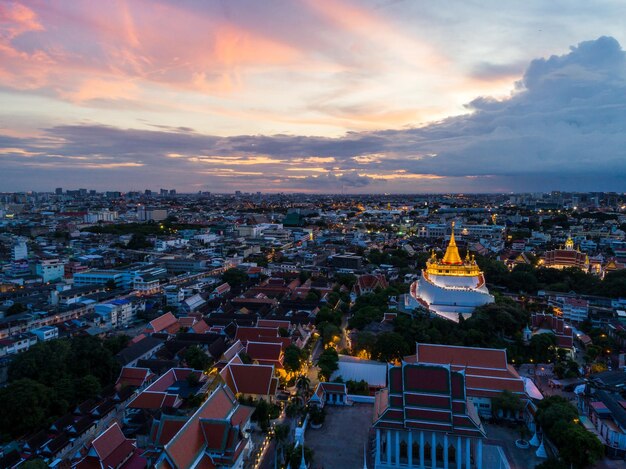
<point>313,95</point>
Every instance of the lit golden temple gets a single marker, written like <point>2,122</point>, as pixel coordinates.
<point>452,285</point>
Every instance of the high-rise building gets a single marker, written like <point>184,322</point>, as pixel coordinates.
<point>58,191</point>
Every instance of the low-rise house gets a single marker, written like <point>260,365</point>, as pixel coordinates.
<point>46,333</point>
<point>164,323</point>
<point>607,413</point>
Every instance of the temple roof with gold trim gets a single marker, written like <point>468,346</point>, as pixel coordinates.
<point>452,257</point>
<point>452,264</point>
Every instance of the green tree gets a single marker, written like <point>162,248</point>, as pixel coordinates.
<point>196,358</point>
<point>317,415</point>
<point>35,464</point>
<point>328,362</point>
<point>358,387</point>
<point>25,405</point>
<point>235,277</point>
<point>577,446</point>
<point>364,341</point>
<point>87,387</point>
<point>303,385</point>
<point>542,348</point>
<point>328,332</point>
<point>138,241</point>
<point>116,343</point>
<point>506,403</point>
<point>281,435</point>
<point>294,456</point>
<point>15,308</point>
<point>293,358</point>
<point>390,346</point>
<point>559,420</point>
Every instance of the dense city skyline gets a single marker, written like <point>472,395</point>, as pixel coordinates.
<point>354,97</point>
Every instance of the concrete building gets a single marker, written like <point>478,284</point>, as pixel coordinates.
<point>45,333</point>
<point>50,270</point>
<point>19,250</point>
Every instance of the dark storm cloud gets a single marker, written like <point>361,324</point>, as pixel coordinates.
<point>565,123</point>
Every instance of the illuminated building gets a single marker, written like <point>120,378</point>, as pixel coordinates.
<point>452,285</point>
<point>567,257</point>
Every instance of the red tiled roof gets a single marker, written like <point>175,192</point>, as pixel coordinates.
<point>112,449</point>
<point>426,397</point>
<point>200,327</point>
<point>369,282</point>
<point>191,440</point>
<point>186,321</point>
<point>333,387</point>
<point>223,288</point>
<point>284,341</point>
<point>253,333</point>
<point>273,323</point>
<point>265,351</point>
<point>169,428</point>
<point>156,396</point>
<point>162,323</point>
<point>464,356</point>
<point>132,376</point>
<point>249,379</point>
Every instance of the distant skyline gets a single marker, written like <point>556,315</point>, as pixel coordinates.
<point>313,96</point>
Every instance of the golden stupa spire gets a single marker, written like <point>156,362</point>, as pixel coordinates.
<point>452,256</point>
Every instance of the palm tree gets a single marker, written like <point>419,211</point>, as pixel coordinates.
<point>303,385</point>
<point>281,434</point>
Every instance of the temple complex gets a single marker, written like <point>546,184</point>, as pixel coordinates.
<point>566,257</point>
<point>451,286</point>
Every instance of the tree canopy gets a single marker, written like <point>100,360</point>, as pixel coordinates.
<point>328,363</point>
<point>197,358</point>
<point>559,420</point>
<point>235,277</point>
<point>52,377</point>
<point>293,358</point>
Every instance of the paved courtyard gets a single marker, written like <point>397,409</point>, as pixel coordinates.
<point>505,438</point>
<point>339,443</point>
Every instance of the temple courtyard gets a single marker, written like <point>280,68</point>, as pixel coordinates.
<point>339,443</point>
